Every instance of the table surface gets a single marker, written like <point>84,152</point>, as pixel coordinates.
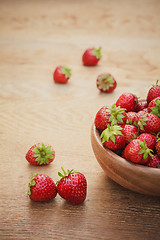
<point>35,37</point>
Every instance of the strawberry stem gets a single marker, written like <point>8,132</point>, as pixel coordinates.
<point>65,174</point>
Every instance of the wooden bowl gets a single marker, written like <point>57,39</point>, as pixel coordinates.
<point>138,178</point>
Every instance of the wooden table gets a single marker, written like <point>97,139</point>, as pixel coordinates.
<point>35,37</point>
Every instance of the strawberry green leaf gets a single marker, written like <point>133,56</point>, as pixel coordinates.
<point>105,81</point>
<point>97,52</point>
<point>145,150</point>
<point>158,137</point>
<point>31,183</point>
<point>156,109</point>
<point>142,121</point>
<point>65,174</point>
<point>43,153</point>
<point>110,132</point>
<point>66,71</point>
<point>116,114</point>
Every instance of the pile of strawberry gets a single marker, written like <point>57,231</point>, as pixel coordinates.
<point>131,127</point>
<point>72,186</point>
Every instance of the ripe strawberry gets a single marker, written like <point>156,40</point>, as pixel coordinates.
<point>91,56</point>
<point>106,82</point>
<point>72,186</point>
<point>107,115</point>
<point>149,123</point>
<point>158,144</point>
<point>128,101</point>
<point>142,112</point>
<point>130,132</point>
<point>40,154</point>
<point>61,74</point>
<point>153,92</point>
<point>137,151</point>
<point>132,118</point>
<point>113,138</point>
<point>154,107</point>
<point>154,161</point>
<point>150,140</point>
<point>142,103</point>
<point>41,188</point>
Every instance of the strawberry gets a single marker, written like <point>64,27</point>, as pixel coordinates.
<point>132,118</point>
<point>107,115</point>
<point>40,154</point>
<point>130,132</point>
<point>137,151</point>
<point>41,188</point>
<point>142,103</point>
<point>154,161</point>
<point>158,144</point>
<point>150,140</point>
<point>61,74</point>
<point>149,123</point>
<point>142,112</point>
<point>113,138</point>
<point>91,56</point>
<point>153,92</point>
<point>128,101</point>
<point>106,82</point>
<point>154,106</point>
<point>72,186</point>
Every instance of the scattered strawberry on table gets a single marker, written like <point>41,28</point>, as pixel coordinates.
<point>41,188</point>
<point>72,186</point>
<point>133,121</point>
<point>106,82</point>
<point>91,56</point>
<point>40,154</point>
<point>61,74</point>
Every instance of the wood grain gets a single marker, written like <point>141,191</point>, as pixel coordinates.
<point>36,36</point>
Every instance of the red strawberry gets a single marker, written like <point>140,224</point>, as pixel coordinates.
<point>150,140</point>
<point>107,115</point>
<point>40,154</point>
<point>91,56</point>
<point>149,123</point>
<point>158,144</point>
<point>142,112</point>
<point>142,103</point>
<point>153,92</point>
<point>132,118</point>
<point>113,138</point>
<point>130,132</point>
<point>154,161</point>
<point>128,101</point>
<point>72,186</point>
<point>41,188</point>
<point>61,74</point>
<point>137,151</point>
<point>154,107</point>
<point>106,83</point>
